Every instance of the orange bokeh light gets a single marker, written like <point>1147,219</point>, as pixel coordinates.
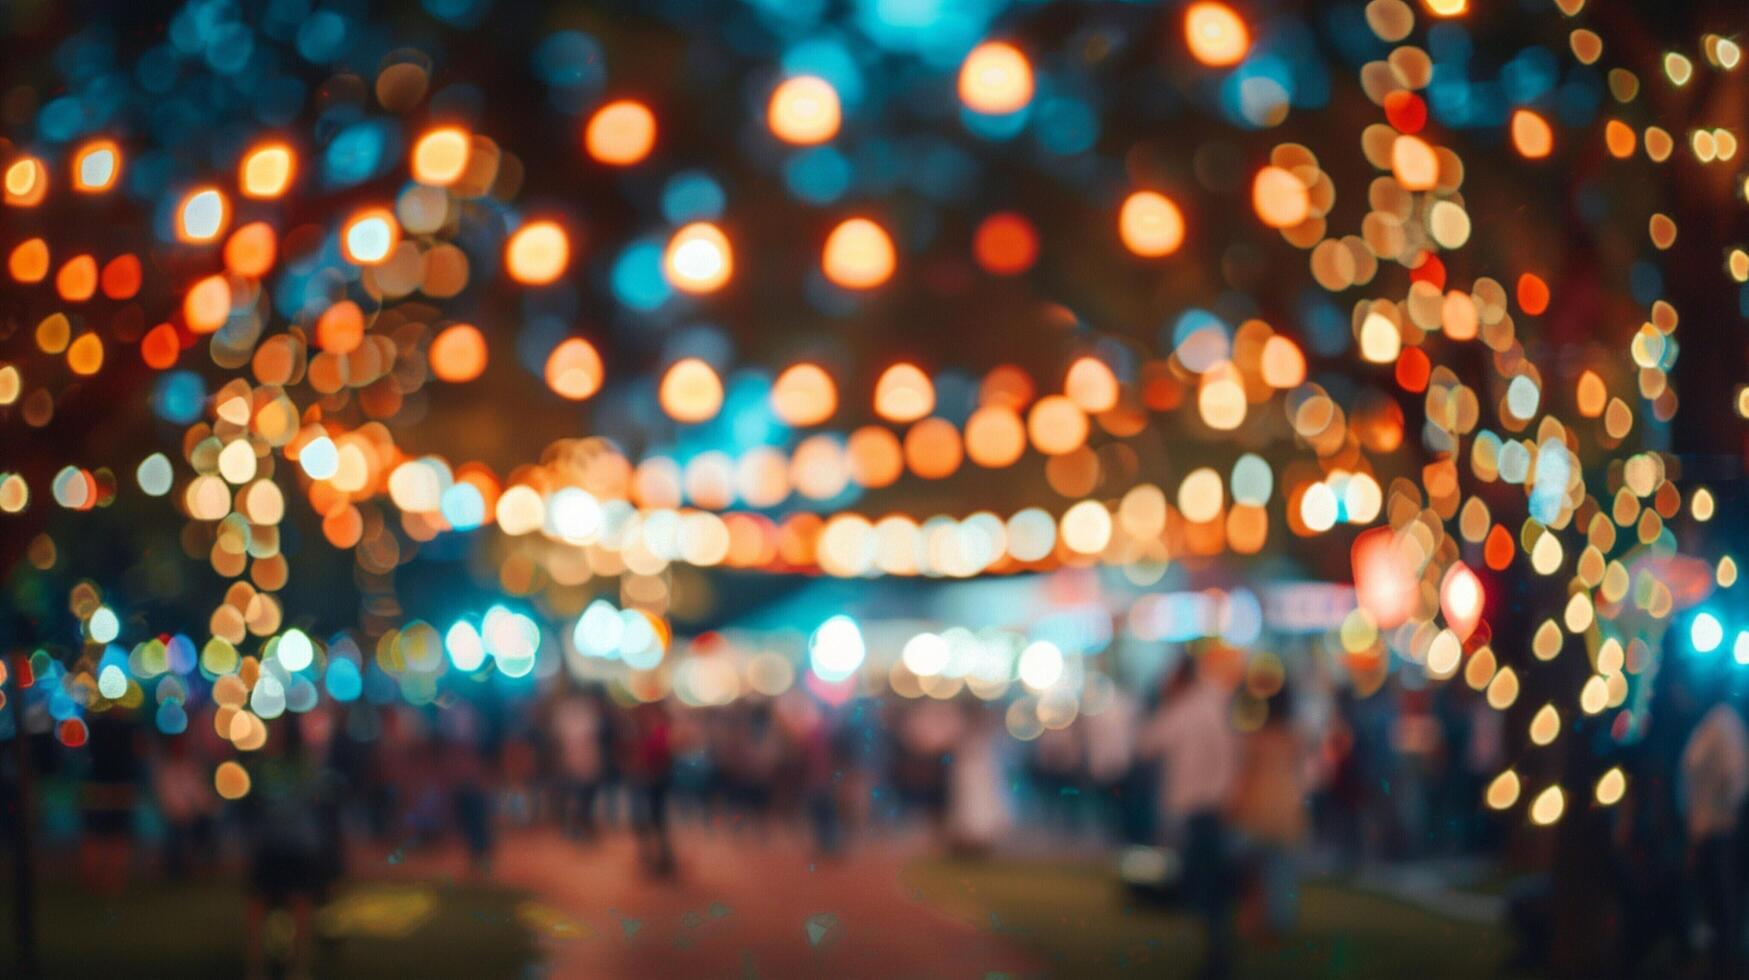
<point>1006,244</point>
<point>1531,135</point>
<point>691,391</point>
<point>858,255</point>
<point>1216,35</point>
<point>1279,198</point>
<point>251,250</point>
<point>804,395</point>
<point>1414,163</point>
<point>340,328</point>
<point>574,369</point>
<point>440,158</point>
<point>1056,425</point>
<point>620,133</point>
<point>995,436</point>
<point>207,305</point>
<point>1150,224</point>
<point>904,394</point>
<point>121,277</point>
<point>77,279</point>
<point>699,258</point>
<point>266,171</point>
<point>29,261</point>
<point>804,110</point>
<point>458,353</point>
<point>537,253</point>
<point>995,79</point>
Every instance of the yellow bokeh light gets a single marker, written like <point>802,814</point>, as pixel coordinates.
<point>698,258</point>
<point>27,182</point>
<point>1548,806</point>
<point>691,391</point>
<point>858,254</point>
<point>267,171</point>
<point>1150,224</point>
<point>1531,135</point>
<point>1279,198</point>
<point>620,133</point>
<point>1503,790</point>
<point>537,253</point>
<point>1216,35</point>
<point>904,394</point>
<point>804,110</point>
<point>995,79</point>
<point>574,370</point>
<point>441,156</point>
<point>804,395</point>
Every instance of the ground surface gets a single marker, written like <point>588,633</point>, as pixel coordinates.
<point>741,907</point>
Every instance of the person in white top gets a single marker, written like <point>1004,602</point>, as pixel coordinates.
<point>576,733</point>
<point>1715,780</point>
<point>1192,737</point>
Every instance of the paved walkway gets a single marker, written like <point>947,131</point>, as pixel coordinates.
<point>740,907</point>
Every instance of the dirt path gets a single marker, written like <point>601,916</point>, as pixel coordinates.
<point>740,907</point>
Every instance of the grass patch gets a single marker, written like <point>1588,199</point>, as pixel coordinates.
<point>197,929</point>
<point>1081,920</point>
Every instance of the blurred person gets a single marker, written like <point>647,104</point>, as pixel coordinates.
<point>1190,735</point>
<point>577,727</point>
<point>811,727</point>
<point>1056,765</point>
<point>1269,810</point>
<point>185,797</point>
<point>106,802</point>
<point>1715,773</point>
<point>924,733</point>
<point>465,753</point>
<point>1111,751</point>
<point>977,803</point>
<point>285,842</point>
<point>651,769</point>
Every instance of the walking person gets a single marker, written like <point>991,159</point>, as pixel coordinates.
<point>1715,771</point>
<point>1192,738</point>
<point>651,768</point>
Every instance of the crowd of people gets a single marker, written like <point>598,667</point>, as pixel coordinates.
<point>1242,787</point>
